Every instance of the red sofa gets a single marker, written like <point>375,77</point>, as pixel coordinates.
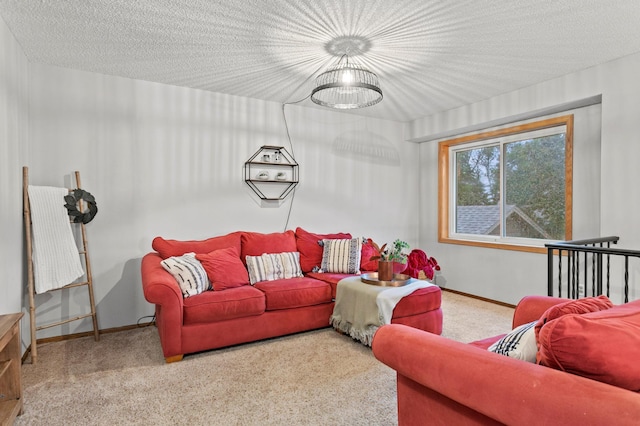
<point>215,319</point>
<point>444,382</point>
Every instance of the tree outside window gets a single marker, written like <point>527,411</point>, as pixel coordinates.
<point>511,188</point>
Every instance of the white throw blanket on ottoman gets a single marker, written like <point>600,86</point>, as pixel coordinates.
<point>361,308</point>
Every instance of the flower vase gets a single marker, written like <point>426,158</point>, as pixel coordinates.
<point>385,270</point>
<point>398,267</point>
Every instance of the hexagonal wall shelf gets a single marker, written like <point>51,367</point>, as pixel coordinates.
<point>271,173</point>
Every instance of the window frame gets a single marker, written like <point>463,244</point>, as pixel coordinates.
<point>444,181</point>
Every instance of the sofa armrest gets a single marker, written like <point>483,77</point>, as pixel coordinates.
<point>530,308</point>
<point>161,289</point>
<point>159,286</point>
<point>507,390</point>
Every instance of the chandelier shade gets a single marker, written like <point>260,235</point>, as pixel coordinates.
<point>346,86</point>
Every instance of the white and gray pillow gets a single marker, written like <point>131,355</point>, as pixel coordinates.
<point>520,343</point>
<point>189,273</point>
<point>274,266</point>
<point>341,256</point>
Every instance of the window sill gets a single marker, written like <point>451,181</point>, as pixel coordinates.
<point>493,245</point>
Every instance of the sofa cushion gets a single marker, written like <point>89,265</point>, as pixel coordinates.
<point>214,306</point>
<point>255,243</point>
<point>168,248</point>
<point>601,345</point>
<point>369,250</point>
<point>341,256</point>
<point>330,278</point>
<point>224,268</point>
<point>310,250</point>
<point>578,306</point>
<point>486,342</point>
<point>520,343</point>
<point>273,266</point>
<point>188,272</point>
<point>294,293</point>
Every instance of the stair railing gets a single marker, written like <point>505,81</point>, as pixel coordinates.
<point>582,257</point>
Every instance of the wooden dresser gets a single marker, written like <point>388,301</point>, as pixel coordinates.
<point>10,369</point>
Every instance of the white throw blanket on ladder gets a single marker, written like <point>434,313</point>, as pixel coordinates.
<point>56,261</point>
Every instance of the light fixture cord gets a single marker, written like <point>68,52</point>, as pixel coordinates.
<point>286,126</point>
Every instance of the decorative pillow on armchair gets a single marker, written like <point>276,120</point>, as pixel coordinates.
<point>519,344</point>
<point>578,306</point>
<point>603,345</point>
<point>341,256</point>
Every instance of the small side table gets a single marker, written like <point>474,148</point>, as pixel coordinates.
<point>10,368</point>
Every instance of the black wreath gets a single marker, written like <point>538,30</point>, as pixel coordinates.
<point>72,206</point>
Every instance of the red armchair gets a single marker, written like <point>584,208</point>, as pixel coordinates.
<point>444,382</point>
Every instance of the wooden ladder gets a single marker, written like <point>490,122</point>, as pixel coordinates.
<point>84,252</point>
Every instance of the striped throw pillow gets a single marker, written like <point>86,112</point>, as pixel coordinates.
<point>520,343</point>
<point>274,266</point>
<point>341,256</point>
<point>189,273</point>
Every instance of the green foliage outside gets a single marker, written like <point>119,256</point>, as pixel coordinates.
<point>534,175</point>
<point>478,176</point>
<point>535,181</point>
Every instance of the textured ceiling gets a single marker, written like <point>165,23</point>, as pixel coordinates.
<point>430,55</point>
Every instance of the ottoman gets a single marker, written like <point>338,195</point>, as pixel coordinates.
<point>421,309</point>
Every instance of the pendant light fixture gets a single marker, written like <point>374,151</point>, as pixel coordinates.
<point>346,86</point>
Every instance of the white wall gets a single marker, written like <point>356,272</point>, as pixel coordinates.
<point>507,276</point>
<point>13,144</point>
<point>165,160</point>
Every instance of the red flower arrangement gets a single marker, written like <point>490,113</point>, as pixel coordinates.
<point>418,261</point>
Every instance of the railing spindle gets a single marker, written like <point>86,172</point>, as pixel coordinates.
<point>608,273</point>
<point>559,274</point>
<point>626,279</point>
<point>576,284</point>
<point>585,274</point>
<point>550,271</point>
<point>593,274</point>
<point>569,262</point>
<point>573,286</point>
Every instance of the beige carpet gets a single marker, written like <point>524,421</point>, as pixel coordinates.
<point>314,378</point>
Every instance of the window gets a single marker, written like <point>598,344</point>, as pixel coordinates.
<point>508,188</point>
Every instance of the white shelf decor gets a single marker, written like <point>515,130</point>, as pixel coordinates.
<point>271,173</point>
